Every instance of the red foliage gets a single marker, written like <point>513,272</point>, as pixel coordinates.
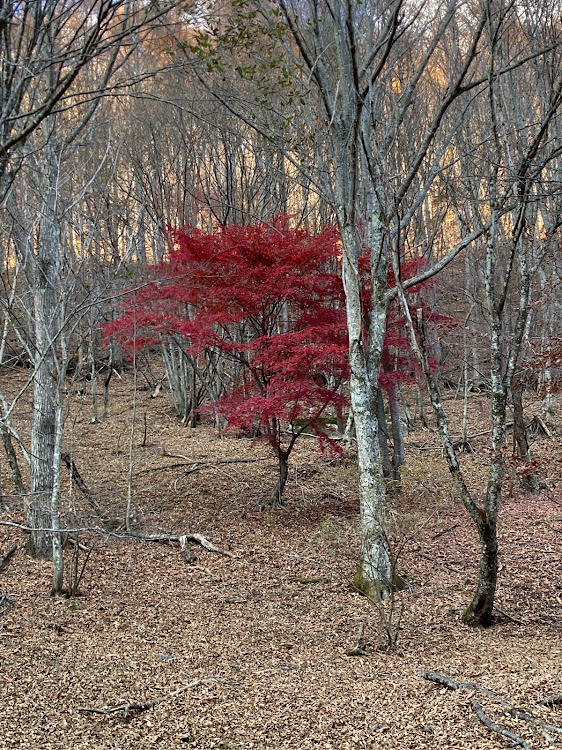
<point>264,296</point>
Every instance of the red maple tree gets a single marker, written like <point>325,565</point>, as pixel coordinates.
<point>266,298</point>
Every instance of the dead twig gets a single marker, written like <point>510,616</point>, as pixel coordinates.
<point>552,700</point>
<point>457,441</point>
<point>445,531</point>
<point>517,713</point>
<point>483,432</point>
<point>508,616</point>
<point>479,711</point>
<point>128,710</point>
<point>68,460</point>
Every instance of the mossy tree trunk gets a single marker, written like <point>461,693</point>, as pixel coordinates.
<point>480,611</point>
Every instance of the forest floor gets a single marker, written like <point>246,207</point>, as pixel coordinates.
<point>252,651</point>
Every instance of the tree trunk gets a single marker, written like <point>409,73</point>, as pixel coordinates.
<point>57,538</point>
<point>374,575</point>
<point>277,494</point>
<point>46,271</point>
<point>529,480</point>
<point>479,613</point>
<point>383,437</point>
<point>349,432</point>
<point>12,460</point>
<point>420,410</point>
<point>40,542</point>
<point>410,422</point>
<point>520,443</point>
<point>397,435</point>
<point>42,453</point>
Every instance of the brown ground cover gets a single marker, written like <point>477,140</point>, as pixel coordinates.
<point>257,645</point>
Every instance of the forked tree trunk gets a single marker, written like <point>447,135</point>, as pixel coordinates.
<point>374,576</point>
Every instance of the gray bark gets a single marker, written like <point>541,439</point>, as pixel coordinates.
<point>47,375</point>
<point>383,436</point>
<point>398,455</point>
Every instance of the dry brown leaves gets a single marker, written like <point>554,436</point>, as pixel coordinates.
<point>267,631</point>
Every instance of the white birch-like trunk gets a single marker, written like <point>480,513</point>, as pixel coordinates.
<point>374,575</point>
<point>47,376</point>
<point>58,555</point>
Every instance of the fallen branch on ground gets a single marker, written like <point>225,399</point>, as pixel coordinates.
<point>483,432</point>
<point>130,709</point>
<point>479,711</point>
<point>447,682</point>
<point>539,425</point>
<point>180,539</point>
<point>452,527</point>
<point>553,700</point>
<point>508,616</point>
<point>6,556</point>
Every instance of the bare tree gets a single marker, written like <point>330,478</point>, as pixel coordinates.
<point>44,46</point>
<point>345,104</point>
<point>58,62</point>
<point>509,149</point>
